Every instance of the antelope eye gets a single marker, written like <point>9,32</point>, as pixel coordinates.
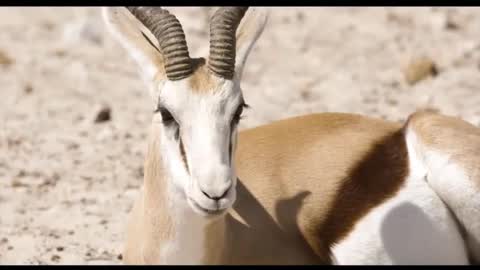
<point>167,117</point>
<point>238,114</point>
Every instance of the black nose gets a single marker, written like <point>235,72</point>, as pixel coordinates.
<point>216,198</point>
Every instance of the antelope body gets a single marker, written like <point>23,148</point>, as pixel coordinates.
<point>316,189</point>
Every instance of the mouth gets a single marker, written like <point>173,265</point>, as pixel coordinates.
<point>205,211</point>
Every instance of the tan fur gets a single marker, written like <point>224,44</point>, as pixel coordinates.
<point>453,136</point>
<point>150,223</point>
<point>293,174</point>
<point>458,142</point>
<point>303,182</point>
<point>202,81</point>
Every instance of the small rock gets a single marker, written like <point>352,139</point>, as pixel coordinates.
<point>120,257</point>
<point>4,240</point>
<point>60,249</point>
<point>10,248</point>
<point>399,19</point>
<point>139,172</point>
<point>300,16</point>
<point>60,52</point>
<point>394,84</point>
<point>17,184</point>
<point>46,183</point>
<point>103,115</point>
<point>391,102</point>
<point>419,69</point>
<point>28,89</point>
<point>21,173</point>
<point>48,25</point>
<point>73,146</point>
<point>305,95</point>
<point>54,235</point>
<point>452,25</point>
<point>55,258</point>
<point>5,60</point>
<point>15,142</point>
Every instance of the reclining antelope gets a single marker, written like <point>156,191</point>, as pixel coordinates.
<point>316,189</point>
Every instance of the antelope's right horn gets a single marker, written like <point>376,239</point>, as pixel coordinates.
<point>169,33</point>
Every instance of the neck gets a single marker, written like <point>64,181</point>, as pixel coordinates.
<point>174,234</point>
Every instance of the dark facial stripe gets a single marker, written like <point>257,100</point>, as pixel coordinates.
<point>184,156</point>
<point>230,145</point>
<point>230,150</point>
<point>149,41</point>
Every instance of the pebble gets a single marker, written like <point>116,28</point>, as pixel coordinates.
<point>103,115</point>
<point>5,60</point>
<point>419,69</point>
<point>55,258</point>
<point>28,89</point>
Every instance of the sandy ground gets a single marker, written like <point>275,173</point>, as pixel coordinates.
<point>67,183</point>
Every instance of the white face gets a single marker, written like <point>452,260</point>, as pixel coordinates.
<point>198,142</point>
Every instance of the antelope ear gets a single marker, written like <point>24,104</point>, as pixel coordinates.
<point>248,32</point>
<point>134,38</point>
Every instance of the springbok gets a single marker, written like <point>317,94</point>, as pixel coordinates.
<point>316,189</point>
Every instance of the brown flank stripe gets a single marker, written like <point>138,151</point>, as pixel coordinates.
<point>378,177</point>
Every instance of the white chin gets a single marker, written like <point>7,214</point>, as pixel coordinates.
<point>205,212</point>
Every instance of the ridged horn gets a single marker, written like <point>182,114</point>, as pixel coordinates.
<point>169,33</point>
<point>223,27</point>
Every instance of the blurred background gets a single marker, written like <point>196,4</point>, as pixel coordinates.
<point>74,113</point>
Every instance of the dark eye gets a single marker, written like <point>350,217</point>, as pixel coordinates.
<point>238,114</point>
<point>167,117</point>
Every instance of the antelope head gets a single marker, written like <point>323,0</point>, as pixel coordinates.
<point>199,101</point>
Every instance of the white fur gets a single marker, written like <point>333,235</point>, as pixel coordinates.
<point>458,191</point>
<point>187,247</point>
<point>251,28</point>
<point>451,182</point>
<point>127,31</point>
<point>413,227</point>
<point>204,121</point>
